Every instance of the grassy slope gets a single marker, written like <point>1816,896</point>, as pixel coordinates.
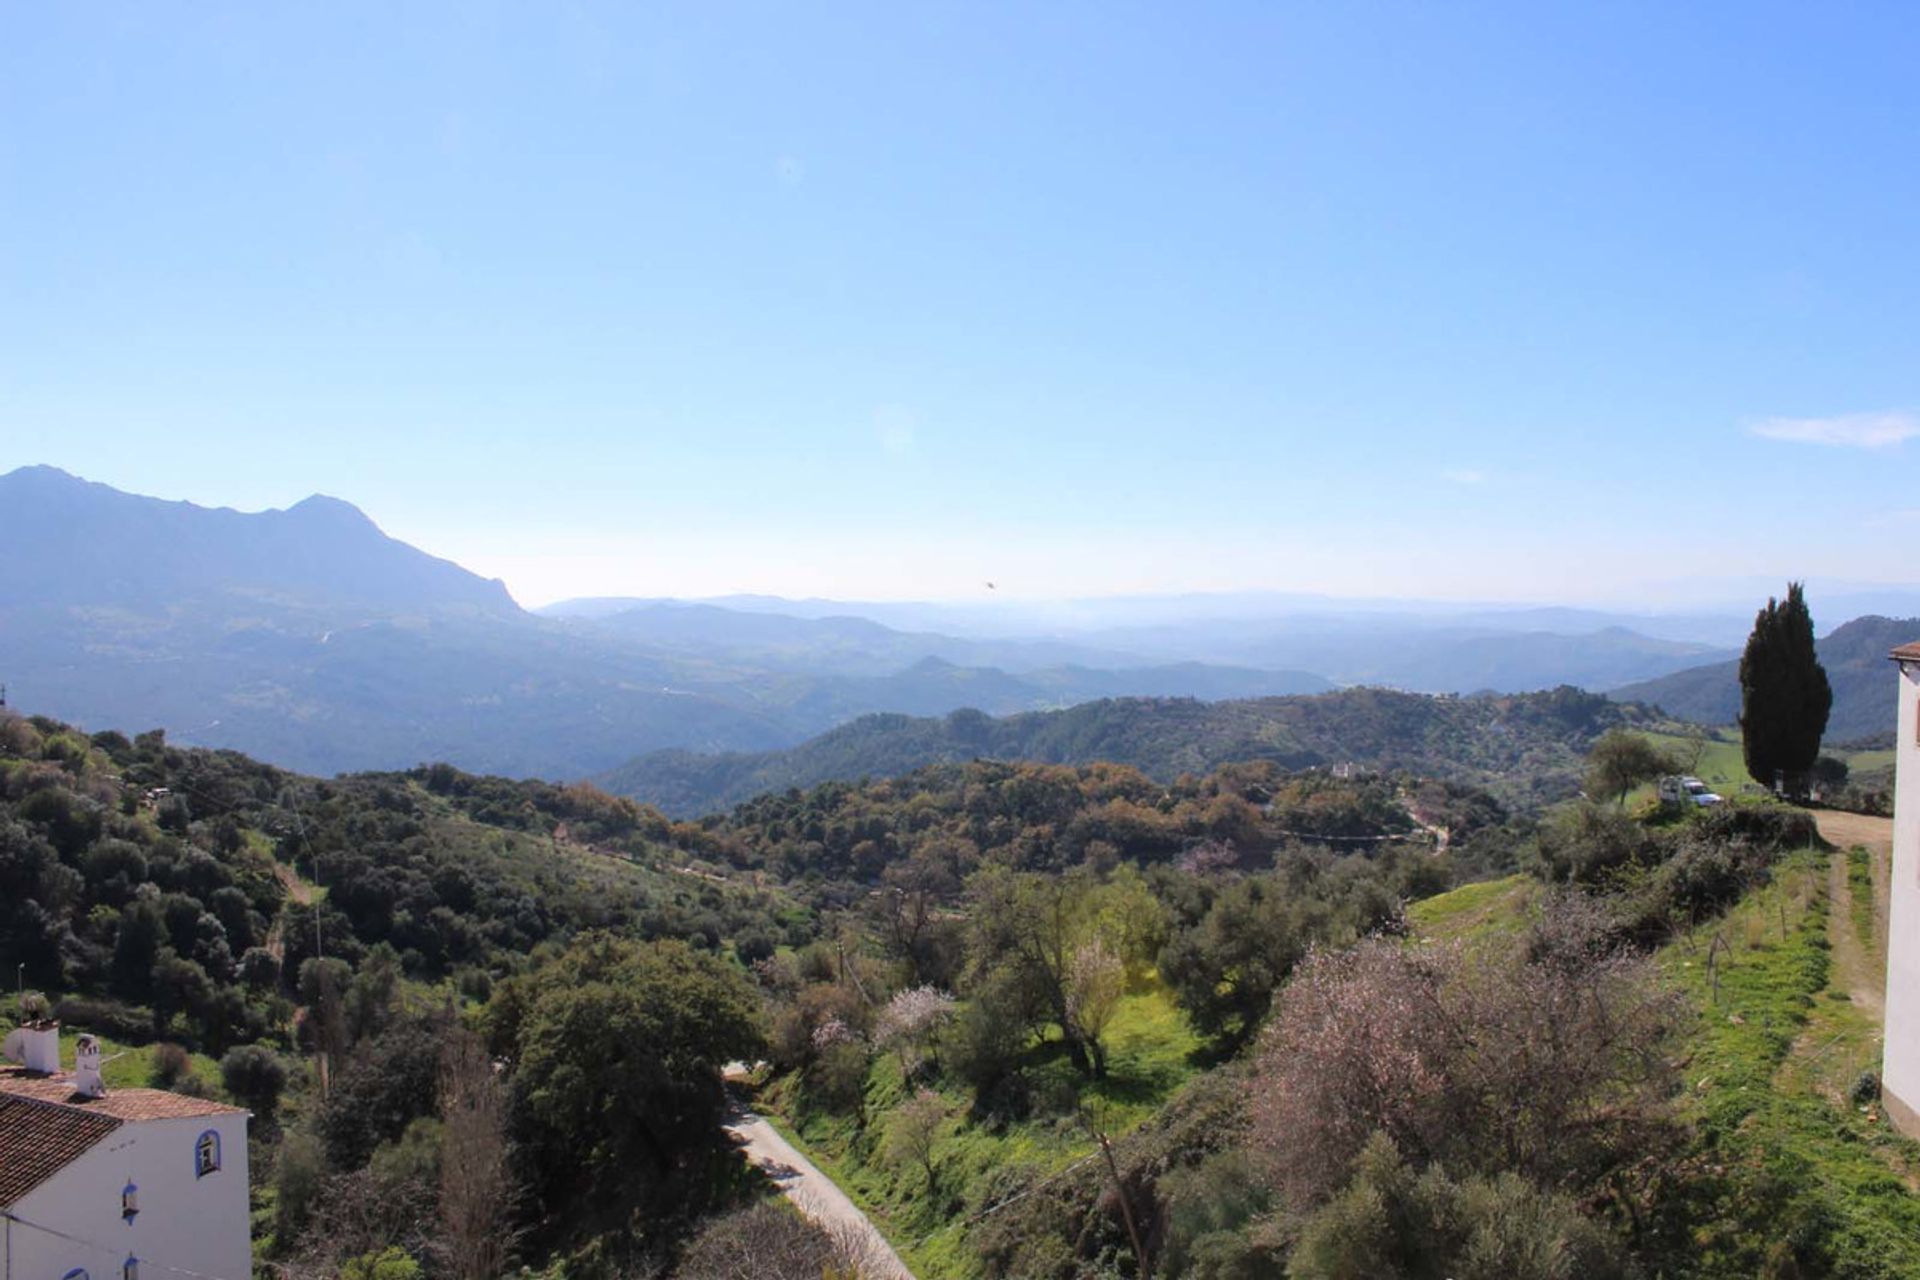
<point>1150,1056</point>
<point>1784,1032</point>
<point>1775,1053</point>
<point>127,1067</point>
<point>1721,766</point>
<point>1473,911</point>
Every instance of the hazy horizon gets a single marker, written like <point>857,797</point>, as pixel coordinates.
<point>1677,598</point>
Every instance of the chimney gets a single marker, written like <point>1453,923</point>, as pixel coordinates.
<point>35,1046</point>
<point>86,1068</point>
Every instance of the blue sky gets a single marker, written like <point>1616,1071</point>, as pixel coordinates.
<point>1527,301</point>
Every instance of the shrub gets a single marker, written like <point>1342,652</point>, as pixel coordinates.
<point>109,1018</point>
<point>389,1082</point>
<point>1587,844</point>
<point>1707,876</point>
<point>170,1065</point>
<point>1391,1221</point>
<point>1776,828</point>
<point>1557,1065</point>
<point>837,1080</point>
<point>912,1134</point>
<point>768,1242</point>
<point>254,1075</point>
<point>1210,1211</point>
<point>259,970</point>
<point>299,1171</point>
<point>391,1263</point>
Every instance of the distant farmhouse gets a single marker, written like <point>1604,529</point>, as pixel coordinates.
<point>1900,1070</point>
<point>127,1184</point>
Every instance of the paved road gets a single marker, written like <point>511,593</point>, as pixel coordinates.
<point>813,1193</point>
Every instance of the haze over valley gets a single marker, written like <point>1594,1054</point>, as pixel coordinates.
<point>309,638</point>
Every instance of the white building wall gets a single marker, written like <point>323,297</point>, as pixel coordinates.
<point>195,1224</point>
<point>1900,1070</point>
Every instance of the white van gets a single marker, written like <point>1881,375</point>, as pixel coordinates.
<point>1686,790</point>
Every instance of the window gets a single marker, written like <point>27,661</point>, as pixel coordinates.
<point>129,1201</point>
<point>78,1273</point>
<point>206,1154</point>
<point>130,1269</point>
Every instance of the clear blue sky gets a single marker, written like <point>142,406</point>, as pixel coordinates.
<point>1545,301</point>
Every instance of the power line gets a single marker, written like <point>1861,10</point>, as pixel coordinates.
<point>284,1268</point>
<point>988,1212</point>
<point>1320,839</point>
<point>106,1248</point>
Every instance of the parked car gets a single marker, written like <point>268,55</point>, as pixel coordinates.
<point>1686,790</point>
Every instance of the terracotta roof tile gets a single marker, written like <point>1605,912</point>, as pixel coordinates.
<point>1907,652</point>
<point>38,1139</point>
<point>119,1104</point>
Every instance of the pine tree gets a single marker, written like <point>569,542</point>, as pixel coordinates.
<point>1784,695</point>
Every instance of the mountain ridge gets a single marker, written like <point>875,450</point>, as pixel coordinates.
<point>1854,654</point>
<point>100,545</point>
<point>1479,740</point>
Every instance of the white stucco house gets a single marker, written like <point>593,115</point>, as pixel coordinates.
<point>120,1184</point>
<point>1900,1065</point>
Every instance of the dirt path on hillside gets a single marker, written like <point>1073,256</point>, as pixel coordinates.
<point>1875,835</point>
<point>1848,829</point>
<point>297,889</point>
<point>814,1194</point>
<point>1856,970</point>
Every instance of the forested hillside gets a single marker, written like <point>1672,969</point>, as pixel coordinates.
<point>347,958</point>
<point>342,955</point>
<point>481,1022</point>
<point>1525,747</point>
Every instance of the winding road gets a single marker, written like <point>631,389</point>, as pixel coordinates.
<point>813,1193</point>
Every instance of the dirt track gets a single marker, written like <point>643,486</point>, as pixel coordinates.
<point>814,1194</point>
<point>1844,830</point>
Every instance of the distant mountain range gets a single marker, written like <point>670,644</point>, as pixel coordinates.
<point>1525,748</point>
<point>1426,649</point>
<point>310,638</point>
<point>1855,656</point>
<point>72,543</point>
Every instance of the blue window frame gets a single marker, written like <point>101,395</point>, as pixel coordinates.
<point>130,1269</point>
<point>129,1201</point>
<point>206,1154</point>
<point>78,1273</point>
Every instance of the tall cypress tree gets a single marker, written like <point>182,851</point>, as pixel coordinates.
<point>1784,695</point>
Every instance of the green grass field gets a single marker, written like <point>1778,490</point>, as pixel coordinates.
<point>1720,765</point>
<point>1869,761</point>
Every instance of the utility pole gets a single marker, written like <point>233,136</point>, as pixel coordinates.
<point>1120,1193</point>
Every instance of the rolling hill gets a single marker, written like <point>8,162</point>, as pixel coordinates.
<point>1855,656</point>
<point>1525,747</point>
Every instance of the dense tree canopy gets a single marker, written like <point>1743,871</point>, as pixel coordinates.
<point>616,1049</point>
